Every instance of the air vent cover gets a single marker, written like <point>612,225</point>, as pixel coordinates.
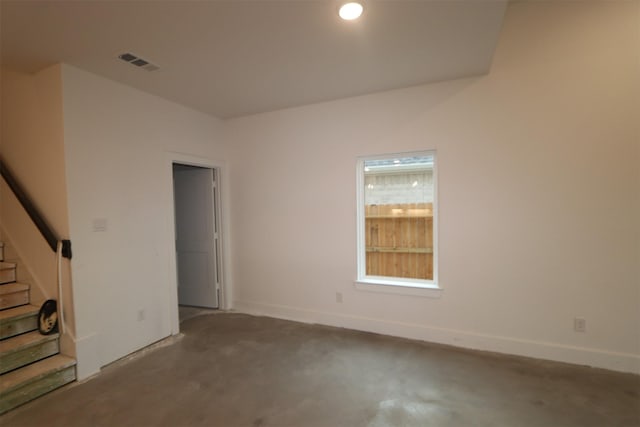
<point>138,62</point>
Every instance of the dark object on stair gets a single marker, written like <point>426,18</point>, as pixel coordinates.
<point>48,317</point>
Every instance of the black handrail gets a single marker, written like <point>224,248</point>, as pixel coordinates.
<point>38,219</point>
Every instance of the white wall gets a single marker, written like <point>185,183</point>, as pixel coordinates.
<point>119,145</point>
<point>538,189</point>
<point>32,145</point>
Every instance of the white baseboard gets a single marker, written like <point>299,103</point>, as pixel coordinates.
<point>88,359</point>
<point>622,362</point>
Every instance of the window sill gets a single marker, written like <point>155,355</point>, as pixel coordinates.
<point>398,288</point>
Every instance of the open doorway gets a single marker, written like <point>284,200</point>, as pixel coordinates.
<point>197,238</point>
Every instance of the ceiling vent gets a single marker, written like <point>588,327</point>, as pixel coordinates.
<point>138,62</point>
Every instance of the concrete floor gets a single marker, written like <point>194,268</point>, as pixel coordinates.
<point>186,312</point>
<point>238,370</point>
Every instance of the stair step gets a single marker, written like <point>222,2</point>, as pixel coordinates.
<point>25,349</point>
<point>18,320</point>
<point>30,382</point>
<point>13,295</point>
<point>7,272</point>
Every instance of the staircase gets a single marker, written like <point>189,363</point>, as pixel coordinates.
<point>30,363</point>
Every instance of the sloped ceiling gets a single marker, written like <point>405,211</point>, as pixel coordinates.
<point>233,58</point>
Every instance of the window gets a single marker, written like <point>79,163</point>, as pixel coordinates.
<point>396,220</point>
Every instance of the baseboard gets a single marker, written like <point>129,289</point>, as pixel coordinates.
<point>622,362</point>
<point>87,357</point>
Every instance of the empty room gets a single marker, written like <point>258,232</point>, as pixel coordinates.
<point>320,213</point>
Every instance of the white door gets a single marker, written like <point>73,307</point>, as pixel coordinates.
<point>197,256</point>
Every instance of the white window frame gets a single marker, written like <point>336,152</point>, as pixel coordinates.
<point>395,285</point>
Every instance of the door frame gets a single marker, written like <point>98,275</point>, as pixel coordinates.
<point>225,297</point>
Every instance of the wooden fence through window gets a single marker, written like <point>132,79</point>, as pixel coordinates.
<point>399,240</point>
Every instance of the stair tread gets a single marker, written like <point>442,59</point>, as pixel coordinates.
<point>7,265</point>
<point>18,312</point>
<point>20,342</point>
<point>9,288</point>
<point>34,372</point>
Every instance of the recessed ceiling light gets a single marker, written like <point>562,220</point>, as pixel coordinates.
<point>350,11</point>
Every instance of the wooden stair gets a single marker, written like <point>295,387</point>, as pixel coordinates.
<point>7,272</point>
<point>14,295</point>
<point>18,320</point>
<point>30,363</point>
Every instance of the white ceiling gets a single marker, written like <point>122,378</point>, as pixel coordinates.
<point>238,57</point>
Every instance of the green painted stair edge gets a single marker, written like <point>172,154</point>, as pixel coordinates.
<point>39,349</point>
<point>25,321</point>
<point>18,327</point>
<point>38,385</point>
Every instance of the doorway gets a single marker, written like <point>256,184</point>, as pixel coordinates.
<point>197,236</point>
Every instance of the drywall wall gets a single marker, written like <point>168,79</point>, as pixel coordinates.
<point>538,194</point>
<point>33,138</point>
<point>32,146</point>
<point>119,146</point>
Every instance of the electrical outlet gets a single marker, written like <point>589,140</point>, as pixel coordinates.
<point>339,297</point>
<point>580,324</point>
<point>99,224</point>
